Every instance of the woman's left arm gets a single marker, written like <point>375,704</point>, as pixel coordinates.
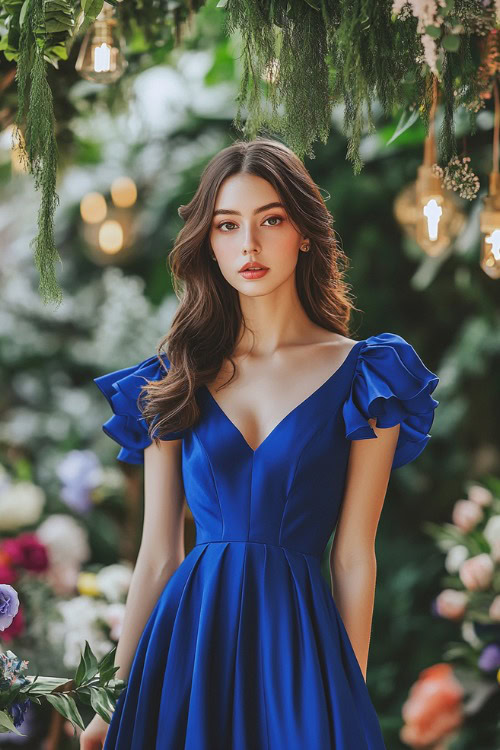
<point>353,563</point>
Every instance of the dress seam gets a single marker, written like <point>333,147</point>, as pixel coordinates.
<point>256,541</point>
<point>213,477</point>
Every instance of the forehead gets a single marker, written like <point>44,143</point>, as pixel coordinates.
<point>245,193</point>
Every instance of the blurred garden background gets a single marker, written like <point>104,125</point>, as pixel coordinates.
<point>130,153</point>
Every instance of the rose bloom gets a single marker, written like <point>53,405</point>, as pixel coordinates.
<point>466,515</point>
<point>433,708</point>
<point>480,495</point>
<point>451,604</point>
<point>26,551</point>
<point>476,573</point>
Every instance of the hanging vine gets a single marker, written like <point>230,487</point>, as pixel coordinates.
<point>300,58</point>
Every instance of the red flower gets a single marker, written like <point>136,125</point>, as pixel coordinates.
<point>26,551</point>
<point>16,628</point>
<point>7,574</point>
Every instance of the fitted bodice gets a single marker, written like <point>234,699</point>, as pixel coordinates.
<point>285,493</point>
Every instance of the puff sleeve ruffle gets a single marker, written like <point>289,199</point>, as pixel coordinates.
<point>127,426</point>
<point>391,384</point>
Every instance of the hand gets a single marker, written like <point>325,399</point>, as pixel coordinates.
<point>94,735</point>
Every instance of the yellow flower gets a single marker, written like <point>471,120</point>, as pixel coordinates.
<point>87,584</point>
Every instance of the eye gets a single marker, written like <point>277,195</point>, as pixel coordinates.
<point>219,226</point>
<point>272,218</point>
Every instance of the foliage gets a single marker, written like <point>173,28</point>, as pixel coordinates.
<point>93,684</point>
<point>303,55</point>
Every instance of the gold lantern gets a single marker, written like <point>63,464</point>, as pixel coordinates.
<point>427,212</point>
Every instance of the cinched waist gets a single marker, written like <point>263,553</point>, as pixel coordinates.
<point>314,555</point>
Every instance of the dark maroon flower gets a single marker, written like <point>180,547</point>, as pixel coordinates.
<point>26,551</point>
<point>7,574</point>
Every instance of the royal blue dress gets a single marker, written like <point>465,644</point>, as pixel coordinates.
<point>245,648</point>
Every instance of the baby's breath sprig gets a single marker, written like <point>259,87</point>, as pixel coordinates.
<point>457,176</point>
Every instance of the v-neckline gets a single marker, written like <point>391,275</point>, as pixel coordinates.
<point>287,416</point>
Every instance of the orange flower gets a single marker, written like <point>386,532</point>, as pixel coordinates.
<point>433,708</point>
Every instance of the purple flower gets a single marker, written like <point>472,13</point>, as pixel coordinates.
<point>489,658</point>
<point>9,605</point>
<point>17,711</point>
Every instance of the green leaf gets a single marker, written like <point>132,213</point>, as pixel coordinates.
<point>22,15</point>
<point>92,7</point>
<point>313,4</point>
<point>222,4</point>
<point>433,31</point>
<point>101,703</point>
<point>91,665</point>
<point>55,26</point>
<point>45,685</point>
<point>411,118</point>
<point>451,42</point>
<point>7,725</point>
<point>67,707</point>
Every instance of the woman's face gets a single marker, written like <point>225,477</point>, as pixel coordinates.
<point>247,227</point>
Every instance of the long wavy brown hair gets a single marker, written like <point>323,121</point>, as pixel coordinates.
<point>207,321</point>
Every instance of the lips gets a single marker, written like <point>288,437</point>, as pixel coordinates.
<point>254,267</point>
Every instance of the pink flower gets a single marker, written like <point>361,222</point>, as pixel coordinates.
<point>477,572</point>
<point>433,708</point>
<point>451,604</point>
<point>63,578</point>
<point>466,515</point>
<point>26,551</point>
<point>480,495</point>
<point>494,611</point>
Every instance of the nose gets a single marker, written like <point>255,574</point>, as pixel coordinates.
<point>249,242</point>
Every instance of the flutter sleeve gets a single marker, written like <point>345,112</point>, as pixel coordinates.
<point>391,384</point>
<point>127,426</point>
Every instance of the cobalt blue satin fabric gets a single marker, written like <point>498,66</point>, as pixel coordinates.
<point>245,648</point>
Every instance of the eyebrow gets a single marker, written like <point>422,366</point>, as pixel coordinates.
<point>275,204</point>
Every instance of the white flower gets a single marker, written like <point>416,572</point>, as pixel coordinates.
<point>65,538</point>
<point>21,504</point>
<point>455,557</point>
<point>492,530</point>
<point>113,581</point>
<point>469,635</point>
<point>80,622</point>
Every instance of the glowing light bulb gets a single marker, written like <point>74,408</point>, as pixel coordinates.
<point>433,212</point>
<point>102,57</point>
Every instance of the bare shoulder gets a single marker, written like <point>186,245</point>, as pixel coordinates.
<point>339,342</point>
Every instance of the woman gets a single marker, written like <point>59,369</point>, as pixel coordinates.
<point>241,644</point>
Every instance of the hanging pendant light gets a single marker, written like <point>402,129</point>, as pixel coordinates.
<point>428,212</point>
<point>489,218</point>
<point>101,57</point>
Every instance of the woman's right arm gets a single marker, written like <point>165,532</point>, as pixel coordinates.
<point>160,554</point>
<point>162,544</point>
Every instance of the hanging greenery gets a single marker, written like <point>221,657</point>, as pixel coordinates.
<point>300,58</point>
